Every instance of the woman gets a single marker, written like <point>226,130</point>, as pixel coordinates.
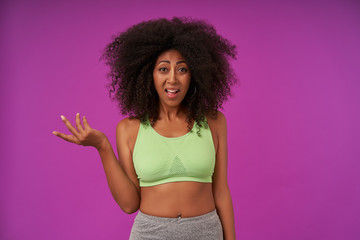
<point>170,77</point>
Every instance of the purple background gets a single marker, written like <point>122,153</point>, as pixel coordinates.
<point>293,122</point>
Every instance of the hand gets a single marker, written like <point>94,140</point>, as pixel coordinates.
<point>85,136</point>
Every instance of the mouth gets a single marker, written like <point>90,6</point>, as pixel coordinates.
<point>171,93</point>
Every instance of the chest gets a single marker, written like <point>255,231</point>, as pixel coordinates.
<point>168,131</point>
<point>189,157</point>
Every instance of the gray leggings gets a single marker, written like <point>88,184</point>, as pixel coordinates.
<point>207,226</point>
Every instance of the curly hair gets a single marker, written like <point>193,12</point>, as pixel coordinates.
<point>132,54</point>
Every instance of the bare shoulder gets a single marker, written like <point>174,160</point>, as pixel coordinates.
<point>128,127</point>
<point>216,122</point>
<point>128,123</point>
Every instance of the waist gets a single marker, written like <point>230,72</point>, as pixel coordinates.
<point>201,217</point>
<point>190,199</point>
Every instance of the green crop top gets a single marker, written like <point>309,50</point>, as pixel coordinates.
<point>158,159</point>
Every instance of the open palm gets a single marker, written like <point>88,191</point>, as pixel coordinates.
<point>83,135</point>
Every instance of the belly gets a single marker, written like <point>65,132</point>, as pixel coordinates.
<point>169,199</point>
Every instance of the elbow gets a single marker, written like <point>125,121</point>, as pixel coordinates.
<point>128,203</point>
<point>129,210</point>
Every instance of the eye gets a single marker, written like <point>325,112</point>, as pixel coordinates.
<point>163,69</point>
<point>182,69</point>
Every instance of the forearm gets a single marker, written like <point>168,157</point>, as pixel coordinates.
<point>225,209</point>
<point>122,188</point>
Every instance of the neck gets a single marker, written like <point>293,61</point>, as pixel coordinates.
<point>170,113</point>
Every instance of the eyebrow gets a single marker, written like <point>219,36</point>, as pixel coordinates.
<point>178,62</point>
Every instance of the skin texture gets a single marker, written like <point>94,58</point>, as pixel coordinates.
<point>171,72</point>
<point>188,198</point>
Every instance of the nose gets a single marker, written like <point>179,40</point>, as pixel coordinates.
<point>172,76</point>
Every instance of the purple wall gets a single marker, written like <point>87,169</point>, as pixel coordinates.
<point>293,122</point>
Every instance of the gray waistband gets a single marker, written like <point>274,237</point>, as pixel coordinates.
<point>202,217</point>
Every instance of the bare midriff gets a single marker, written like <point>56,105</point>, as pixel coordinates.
<point>174,199</point>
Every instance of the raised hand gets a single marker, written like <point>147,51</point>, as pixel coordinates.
<point>85,136</point>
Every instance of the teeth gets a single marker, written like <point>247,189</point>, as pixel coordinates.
<point>172,91</point>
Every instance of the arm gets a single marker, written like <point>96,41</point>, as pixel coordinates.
<point>120,175</point>
<point>221,189</point>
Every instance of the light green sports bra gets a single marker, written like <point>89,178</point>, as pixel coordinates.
<point>158,159</point>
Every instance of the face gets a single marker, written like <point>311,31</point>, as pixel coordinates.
<point>171,78</point>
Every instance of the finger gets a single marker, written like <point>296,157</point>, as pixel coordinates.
<point>70,127</point>
<point>69,138</point>
<point>86,124</point>
<point>78,123</point>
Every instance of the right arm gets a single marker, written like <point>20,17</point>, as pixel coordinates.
<point>120,175</point>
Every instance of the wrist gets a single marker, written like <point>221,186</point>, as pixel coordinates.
<point>104,145</point>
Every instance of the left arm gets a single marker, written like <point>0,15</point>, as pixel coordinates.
<point>221,189</point>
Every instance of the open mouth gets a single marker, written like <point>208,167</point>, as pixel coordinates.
<point>171,93</point>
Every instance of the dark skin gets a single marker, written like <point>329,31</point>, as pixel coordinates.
<point>185,198</point>
<point>188,198</point>
<point>171,79</point>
